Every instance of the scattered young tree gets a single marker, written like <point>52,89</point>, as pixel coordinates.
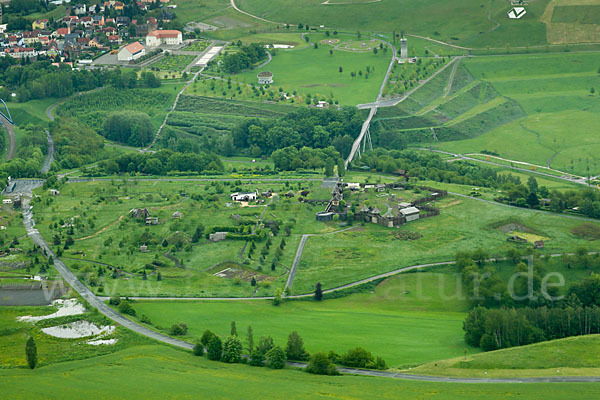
<point>294,350</point>
<point>250,338</point>
<point>31,352</point>
<point>318,292</point>
<point>206,337</point>
<point>233,329</point>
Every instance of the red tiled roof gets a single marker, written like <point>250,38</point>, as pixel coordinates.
<point>165,33</point>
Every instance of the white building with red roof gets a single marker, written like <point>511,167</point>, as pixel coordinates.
<point>132,51</point>
<point>168,37</point>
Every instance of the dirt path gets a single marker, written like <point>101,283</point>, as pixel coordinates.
<point>232,2</point>
<point>101,230</point>
<point>451,79</point>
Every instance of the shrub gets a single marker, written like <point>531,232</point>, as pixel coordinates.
<point>125,308</point>
<point>275,358</point>
<point>320,364</point>
<point>178,329</point>
<point>358,357</point>
<point>257,359</point>
<point>144,318</point>
<point>214,350</point>
<point>206,337</point>
<point>198,349</point>
<point>232,350</point>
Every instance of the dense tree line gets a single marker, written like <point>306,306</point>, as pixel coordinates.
<point>305,127</point>
<point>163,162</point>
<point>131,127</point>
<point>40,79</point>
<point>292,159</point>
<point>244,58</point>
<point>30,154</point>
<point>493,329</point>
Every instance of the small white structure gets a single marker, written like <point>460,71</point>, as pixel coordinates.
<point>217,236</point>
<point>403,51</point>
<point>54,192</point>
<point>410,213</point>
<point>132,51</point>
<point>265,78</point>
<point>404,205</point>
<point>168,37</point>
<point>6,201</point>
<point>517,12</point>
<point>177,215</point>
<point>322,104</point>
<point>353,186</point>
<point>250,196</point>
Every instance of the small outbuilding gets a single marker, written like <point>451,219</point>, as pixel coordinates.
<point>265,78</point>
<point>410,213</point>
<point>324,216</point>
<point>177,215</point>
<point>152,221</point>
<point>250,196</point>
<point>217,236</point>
<point>54,192</point>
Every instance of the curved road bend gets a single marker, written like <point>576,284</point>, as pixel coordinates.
<point>96,302</point>
<point>12,141</point>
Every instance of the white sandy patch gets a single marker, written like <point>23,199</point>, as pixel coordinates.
<point>102,341</point>
<point>65,307</point>
<point>78,329</point>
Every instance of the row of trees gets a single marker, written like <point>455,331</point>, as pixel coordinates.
<point>266,353</point>
<point>305,127</point>
<point>163,162</point>
<point>493,329</point>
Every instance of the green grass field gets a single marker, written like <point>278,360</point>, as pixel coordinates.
<point>463,224</point>
<point>563,357</point>
<point>407,319</point>
<point>166,372</point>
<point>316,72</point>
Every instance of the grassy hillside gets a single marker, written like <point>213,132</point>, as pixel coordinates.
<point>165,372</point>
<point>563,357</point>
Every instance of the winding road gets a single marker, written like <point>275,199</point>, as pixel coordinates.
<point>97,303</point>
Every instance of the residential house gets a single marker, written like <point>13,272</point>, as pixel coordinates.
<point>39,24</point>
<point>122,21</point>
<point>98,20</point>
<point>139,213</point>
<point>79,9</point>
<point>114,39</point>
<point>20,52</point>
<point>61,32</point>
<point>86,21</point>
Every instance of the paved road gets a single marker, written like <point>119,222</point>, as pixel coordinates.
<point>292,274</point>
<point>49,155</point>
<point>12,141</point>
<point>97,303</point>
<point>85,292</point>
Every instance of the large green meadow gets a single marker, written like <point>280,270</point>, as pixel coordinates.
<point>166,372</point>
<point>407,319</point>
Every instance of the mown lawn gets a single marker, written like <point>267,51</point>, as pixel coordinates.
<point>166,372</point>
<point>407,320</point>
